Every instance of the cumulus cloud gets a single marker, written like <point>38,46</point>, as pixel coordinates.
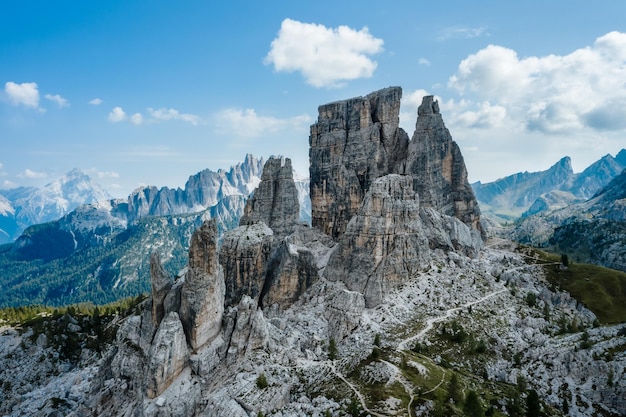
<point>117,115</point>
<point>551,94</point>
<point>60,101</point>
<point>247,123</point>
<point>30,174</point>
<point>326,57</point>
<point>424,61</point>
<point>173,114</point>
<point>8,184</point>
<point>103,174</point>
<point>96,101</point>
<point>460,32</point>
<point>136,119</point>
<point>25,94</point>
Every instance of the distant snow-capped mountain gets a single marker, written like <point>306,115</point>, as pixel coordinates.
<point>25,206</point>
<point>102,237</point>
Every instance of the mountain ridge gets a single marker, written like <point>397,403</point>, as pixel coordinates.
<point>513,196</point>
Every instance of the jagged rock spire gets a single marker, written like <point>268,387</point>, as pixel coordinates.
<point>353,142</point>
<point>202,294</point>
<point>358,140</point>
<point>435,161</point>
<point>275,201</point>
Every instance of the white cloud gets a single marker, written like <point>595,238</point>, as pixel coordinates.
<point>424,61</point>
<point>552,94</point>
<point>25,94</point>
<point>136,119</point>
<point>96,101</point>
<point>173,114</point>
<point>103,174</point>
<point>117,115</point>
<point>408,110</point>
<point>486,116</point>
<point>326,57</point>
<point>247,123</point>
<point>30,174</point>
<point>460,32</point>
<point>60,101</point>
<point>7,184</point>
<point>154,116</point>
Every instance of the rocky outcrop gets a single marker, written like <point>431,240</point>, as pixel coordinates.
<point>343,313</point>
<point>245,328</point>
<point>161,284</point>
<point>358,140</point>
<point>275,201</point>
<point>270,257</point>
<point>353,142</point>
<point>384,243</point>
<point>202,294</point>
<point>290,272</point>
<point>435,162</point>
<point>168,355</point>
<point>244,255</point>
<point>389,240</point>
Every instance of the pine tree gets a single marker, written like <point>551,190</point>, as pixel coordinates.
<point>472,407</point>
<point>454,390</point>
<point>533,406</point>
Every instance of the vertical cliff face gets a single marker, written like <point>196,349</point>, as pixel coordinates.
<point>266,258</point>
<point>434,160</point>
<point>358,140</point>
<point>275,201</point>
<point>353,142</point>
<point>202,294</point>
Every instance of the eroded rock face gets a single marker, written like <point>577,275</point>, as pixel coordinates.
<point>384,243</point>
<point>343,313</point>
<point>358,140</point>
<point>161,284</point>
<point>390,238</point>
<point>244,255</point>
<point>168,355</point>
<point>245,328</point>
<point>275,201</point>
<point>290,272</point>
<point>435,162</point>
<point>353,142</point>
<point>202,294</point>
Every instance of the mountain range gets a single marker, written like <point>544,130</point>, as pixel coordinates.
<point>394,301</point>
<point>526,193</point>
<point>25,206</point>
<point>92,253</point>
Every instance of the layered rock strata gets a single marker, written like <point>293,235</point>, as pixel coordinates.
<point>358,140</point>
<point>353,142</point>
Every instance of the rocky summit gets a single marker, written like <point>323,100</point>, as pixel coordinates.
<point>390,304</point>
<point>358,140</point>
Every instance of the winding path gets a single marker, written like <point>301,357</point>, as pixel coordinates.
<point>431,321</point>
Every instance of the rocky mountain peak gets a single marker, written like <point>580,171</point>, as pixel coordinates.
<point>621,157</point>
<point>275,201</point>
<point>358,140</point>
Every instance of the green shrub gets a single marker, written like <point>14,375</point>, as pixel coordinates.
<point>261,381</point>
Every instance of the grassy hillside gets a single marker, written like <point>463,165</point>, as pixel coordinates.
<point>602,290</point>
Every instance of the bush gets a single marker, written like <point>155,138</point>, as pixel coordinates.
<point>261,381</point>
<point>332,349</point>
<point>531,299</point>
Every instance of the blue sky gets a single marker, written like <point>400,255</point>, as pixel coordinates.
<point>150,92</point>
